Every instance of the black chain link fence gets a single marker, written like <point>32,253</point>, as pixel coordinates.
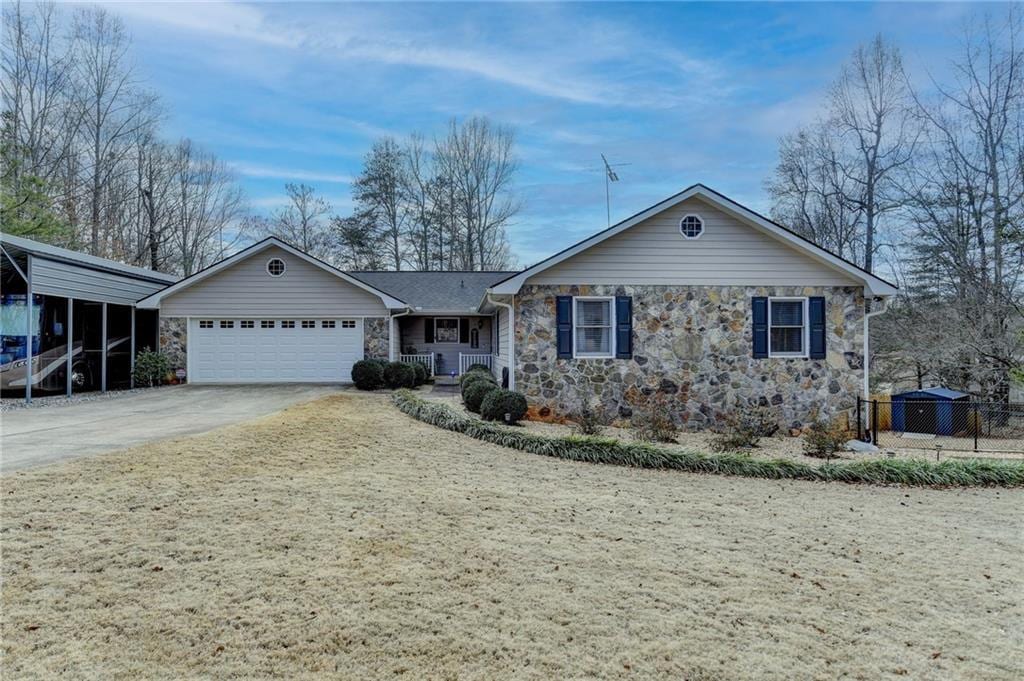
<point>950,426</point>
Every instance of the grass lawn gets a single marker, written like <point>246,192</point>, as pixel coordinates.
<point>341,537</point>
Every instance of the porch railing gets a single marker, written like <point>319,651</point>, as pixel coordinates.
<point>466,360</point>
<point>426,359</point>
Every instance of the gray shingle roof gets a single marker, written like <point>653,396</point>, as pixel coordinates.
<point>434,291</point>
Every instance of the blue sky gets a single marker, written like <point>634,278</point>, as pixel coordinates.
<point>685,93</point>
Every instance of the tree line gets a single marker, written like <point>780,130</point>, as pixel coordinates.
<point>85,166</point>
<point>419,204</point>
<point>924,183</point>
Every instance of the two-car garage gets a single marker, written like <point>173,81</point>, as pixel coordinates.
<point>273,314</point>
<point>239,350</point>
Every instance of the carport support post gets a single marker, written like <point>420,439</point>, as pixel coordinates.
<point>103,356</point>
<point>28,329</point>
<point>874,422</point>
<point>70,343</point>
<point>131,365</point>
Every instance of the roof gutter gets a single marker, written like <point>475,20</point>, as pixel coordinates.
<point>392,327</point>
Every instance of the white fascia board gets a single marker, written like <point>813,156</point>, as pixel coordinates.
<point>873,284</point>
<point>153,301</point>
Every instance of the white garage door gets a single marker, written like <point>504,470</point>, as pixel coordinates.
<point>234,350</point>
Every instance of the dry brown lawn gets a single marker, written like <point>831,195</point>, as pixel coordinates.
<point>341,538</point>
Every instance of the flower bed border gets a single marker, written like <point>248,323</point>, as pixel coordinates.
<point>908,472</point>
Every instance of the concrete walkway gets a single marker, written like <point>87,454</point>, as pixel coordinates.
<point>46,435</point>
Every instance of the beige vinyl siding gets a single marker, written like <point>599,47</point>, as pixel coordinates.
<point>728,252</point>
<point>246,289</point>
<point>412,334</point>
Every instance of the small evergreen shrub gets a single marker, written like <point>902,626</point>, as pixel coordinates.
<point>421,372</point>
<point>474,395</point>
<point>368,374</point>
<point>500,402</point>
<point>474,377</point>
<point>151,367</point>
<point>478,367</point>
<point>399,375</point>
<point>824,440</point>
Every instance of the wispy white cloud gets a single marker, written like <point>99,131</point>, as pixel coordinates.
<point>226,19</point>
<point>268,171</point>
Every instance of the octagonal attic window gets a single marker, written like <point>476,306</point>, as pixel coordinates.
<point>691,226</point>
<point>275,267</point>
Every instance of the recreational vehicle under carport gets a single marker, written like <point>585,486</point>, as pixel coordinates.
<point>74,315</point>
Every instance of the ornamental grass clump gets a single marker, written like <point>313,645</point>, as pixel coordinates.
<point>910,472</point>
<point>474,395</point>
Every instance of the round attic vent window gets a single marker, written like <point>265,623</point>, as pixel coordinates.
<point>275,267</point>
<point>691,226</point>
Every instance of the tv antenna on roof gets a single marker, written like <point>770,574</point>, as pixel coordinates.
<point>609,176</point>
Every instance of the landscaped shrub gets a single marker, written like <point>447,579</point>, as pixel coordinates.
<point>823,440</point>
<point>474,377</point>
<point>916,472</point>
<point>507,406</point>
<point>399,375</point>
<point>653,423</point>
<point>588,421</point>
<point>421,372</point>
<point>151,367</point>
<point>744,427</point>
<point>474,395</point>
<point>478,367</point>
<point>368,374</point>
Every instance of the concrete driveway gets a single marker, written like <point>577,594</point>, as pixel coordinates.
<point>45,435</point>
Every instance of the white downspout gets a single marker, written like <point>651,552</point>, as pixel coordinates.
<point>867,357</point>
<point>392,338</point>
<point>511,338</point>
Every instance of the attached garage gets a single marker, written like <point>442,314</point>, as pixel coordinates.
<point>273,314</point>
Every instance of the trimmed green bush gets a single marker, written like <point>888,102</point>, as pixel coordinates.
<point>500,402</point>
<point>150,367</point>
<point>475,393</point>
<point>911,472</point>
<point>399,375</point>
<point>472,378</point>
<point>421,372</point>
<point>368,374</point>
<point>478,367</point>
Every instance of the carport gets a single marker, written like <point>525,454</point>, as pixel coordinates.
<point>68,321</point>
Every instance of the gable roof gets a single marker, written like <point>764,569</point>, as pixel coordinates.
<point>153,301</point>
<point>874,284</point>
<point>435,291</point>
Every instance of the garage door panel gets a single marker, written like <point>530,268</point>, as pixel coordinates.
<point>273,354</point>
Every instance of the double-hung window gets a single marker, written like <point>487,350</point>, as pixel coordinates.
<point>787,327</point>
<point>593,322</point>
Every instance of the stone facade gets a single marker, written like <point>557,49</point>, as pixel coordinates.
<point>174,340</point>
<point>376,335</point>
<point>692,348</point>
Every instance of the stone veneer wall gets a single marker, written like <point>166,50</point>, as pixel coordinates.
<point>693,345</point>
<point>376,334</point>
<point>174,340</point>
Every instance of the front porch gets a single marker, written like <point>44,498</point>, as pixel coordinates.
<point>446,344</point>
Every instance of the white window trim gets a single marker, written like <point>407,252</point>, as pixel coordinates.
<point>703,226</point>
<point>806,327</point>
<point>283,264</point>
<point>611,331</point>
<point>458,331</point>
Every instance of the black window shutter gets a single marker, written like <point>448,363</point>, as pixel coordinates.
<point>759,308</point>
<point>816,314</point>
<point>624,327</point>
<point>428,329</point>
<point>563,315</point>
<point>463,329</point>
